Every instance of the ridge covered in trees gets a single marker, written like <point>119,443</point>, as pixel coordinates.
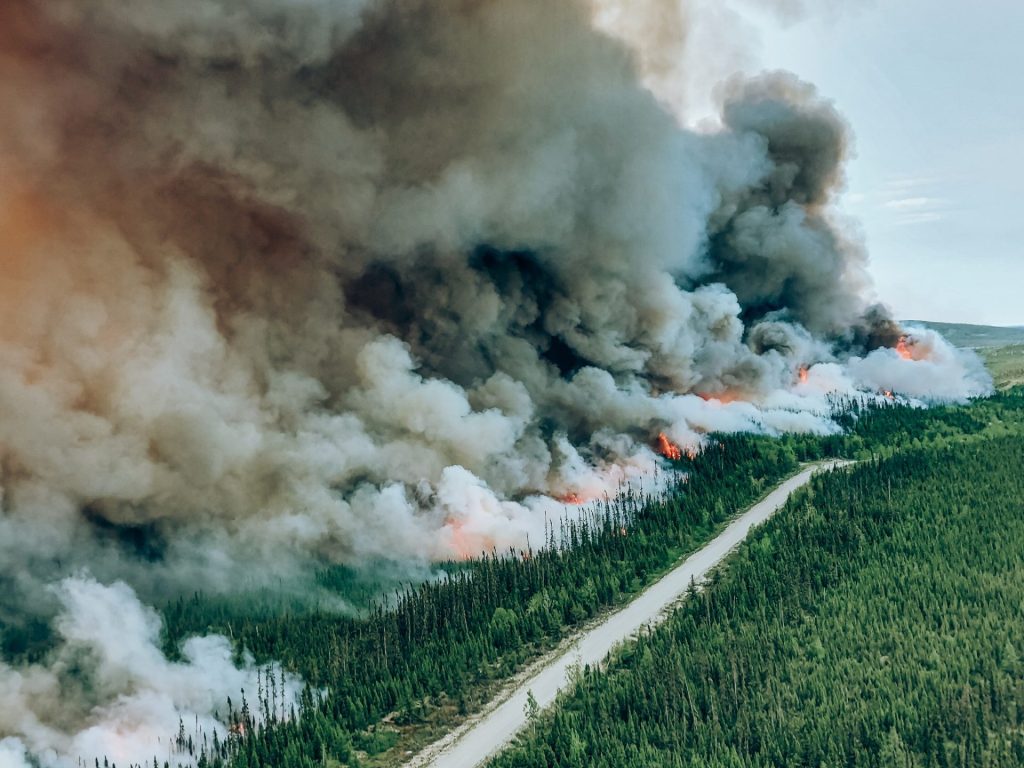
<point>438,642</point>
<point>875,622</point>
<point>417,661</point>
<point>436,651</point>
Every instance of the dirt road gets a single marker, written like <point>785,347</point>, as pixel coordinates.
<point>485,735</point>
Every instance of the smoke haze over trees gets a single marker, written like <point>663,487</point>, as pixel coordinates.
<point>287,282</point>
<point>341,278</point>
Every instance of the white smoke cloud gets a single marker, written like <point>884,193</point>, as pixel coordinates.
<point>108,690</point>
<point>926,368</point>
<point>13,754</point>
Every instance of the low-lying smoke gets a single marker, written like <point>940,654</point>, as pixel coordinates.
<point>109,692</point>
<point>347,279</point>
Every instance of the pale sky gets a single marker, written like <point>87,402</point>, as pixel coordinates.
<point>934,90</point>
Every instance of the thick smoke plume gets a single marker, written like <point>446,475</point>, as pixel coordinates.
<point>331,278</point>
<point>337,280</point>
<point>109,692</point>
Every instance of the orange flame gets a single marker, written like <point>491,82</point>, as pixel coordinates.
<point>668,449</point>
<point>723,398</point>
<point>571,498</point>
<point>465,544</point>
<point>888,393</point>
<point>804,374</point>
<point>903,348</point>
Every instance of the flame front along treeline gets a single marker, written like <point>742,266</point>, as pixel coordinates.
<point>289,282</point>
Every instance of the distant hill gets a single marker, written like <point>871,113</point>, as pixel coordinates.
<point>1001,347</point>
<point>1006,364</point>
<point>975,336</point>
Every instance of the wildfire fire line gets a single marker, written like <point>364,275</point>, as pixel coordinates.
<point>400,282</point>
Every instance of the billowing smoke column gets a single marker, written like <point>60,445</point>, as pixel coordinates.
<point>285,280</point>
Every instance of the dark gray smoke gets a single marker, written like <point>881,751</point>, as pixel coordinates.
<point>311,277</point>
<point>338,280</point>
<point>777,247</point>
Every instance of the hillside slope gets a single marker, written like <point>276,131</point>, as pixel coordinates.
<point>488,735</point>
<point>1006,364</point>
<point>875,622</point>
<point>975,336</point>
